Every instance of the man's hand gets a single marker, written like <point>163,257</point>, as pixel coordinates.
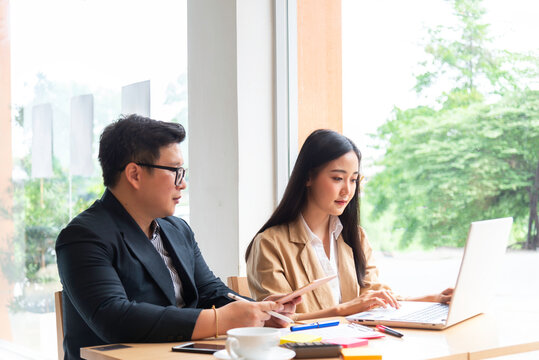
<point>248,313</point>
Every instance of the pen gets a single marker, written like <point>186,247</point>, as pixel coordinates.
<point>314,325</point>
<point>272,313</point>
<point>389,331</point>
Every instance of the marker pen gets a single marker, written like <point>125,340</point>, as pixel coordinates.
<point>389,331</point>
<point>315,325</point>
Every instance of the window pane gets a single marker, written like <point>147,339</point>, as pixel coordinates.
<point>442,99</point>
<point>72,66</point>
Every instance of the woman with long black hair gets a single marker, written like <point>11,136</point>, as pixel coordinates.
<point>314,232</point>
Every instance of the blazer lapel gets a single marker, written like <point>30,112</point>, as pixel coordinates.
<point>178,251</point>
<point>308,258</point>
<point>140,245</point>
<point>310,263</point>
<point>347,271</point>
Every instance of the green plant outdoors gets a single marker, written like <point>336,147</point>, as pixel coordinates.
<point>40,211</point>
<point>474,154</point>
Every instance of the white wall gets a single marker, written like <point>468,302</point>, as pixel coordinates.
<point>231,141</point>
<point>255,118</point>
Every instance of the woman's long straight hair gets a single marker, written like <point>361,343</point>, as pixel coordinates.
<point>321,147</point>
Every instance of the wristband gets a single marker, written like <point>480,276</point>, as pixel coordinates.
<point>216,322</point>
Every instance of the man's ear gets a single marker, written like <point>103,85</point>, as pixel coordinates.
<point>133,174</point>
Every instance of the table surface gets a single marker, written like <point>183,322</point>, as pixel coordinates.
<point>484,336</point>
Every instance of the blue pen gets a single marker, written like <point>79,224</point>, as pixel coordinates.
<point>315,325</point>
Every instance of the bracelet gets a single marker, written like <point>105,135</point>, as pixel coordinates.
<point>216,322</point>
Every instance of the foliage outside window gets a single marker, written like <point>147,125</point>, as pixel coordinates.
<point>471,156</point>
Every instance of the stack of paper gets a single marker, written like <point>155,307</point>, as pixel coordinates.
<point>350,330</point>
<point>347,342</point>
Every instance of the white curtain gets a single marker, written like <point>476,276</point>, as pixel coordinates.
<point>81,136</point>
<point>136,98</point>
<point>42,141</point>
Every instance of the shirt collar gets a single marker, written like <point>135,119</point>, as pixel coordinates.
<point>154,226</point>
<point>335,227</point>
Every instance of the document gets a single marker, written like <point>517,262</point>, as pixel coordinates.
<point>342,330</point>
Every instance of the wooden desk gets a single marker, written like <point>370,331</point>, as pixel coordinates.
<point>482,337</point>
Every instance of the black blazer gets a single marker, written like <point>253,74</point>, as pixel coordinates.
<point>116,287</point>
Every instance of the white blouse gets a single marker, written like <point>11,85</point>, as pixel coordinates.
<point>330,266</point>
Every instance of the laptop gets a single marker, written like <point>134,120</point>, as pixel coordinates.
<point>479,270</point>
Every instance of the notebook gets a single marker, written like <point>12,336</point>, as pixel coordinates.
<point>479,270</point>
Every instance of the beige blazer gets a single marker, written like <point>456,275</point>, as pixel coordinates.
<point>282,259</point>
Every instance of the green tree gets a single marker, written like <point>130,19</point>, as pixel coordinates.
<point>44,210</point>
<point>443,169</point>
<point>42,207</point>
<point>473,156</point>
<point>462,56</point>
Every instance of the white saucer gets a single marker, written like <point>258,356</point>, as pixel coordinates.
<point>277,353</point>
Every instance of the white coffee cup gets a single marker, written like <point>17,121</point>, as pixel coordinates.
<point>250,343</point>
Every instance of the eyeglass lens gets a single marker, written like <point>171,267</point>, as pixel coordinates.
<point>180,173</point>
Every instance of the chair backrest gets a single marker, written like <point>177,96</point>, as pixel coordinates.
<point>239,284</point>
<point>58,309</point>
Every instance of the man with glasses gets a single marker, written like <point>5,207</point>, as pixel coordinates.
<point>132,272</point>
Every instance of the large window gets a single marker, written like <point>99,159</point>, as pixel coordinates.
<point>442,98</point>
<point>75,67</point>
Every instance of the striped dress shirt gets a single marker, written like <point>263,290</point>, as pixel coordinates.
<point>157,243</point>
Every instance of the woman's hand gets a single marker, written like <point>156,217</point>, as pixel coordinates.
<point>367,301</point>
<point>444,297</point>
<point>289,308</point>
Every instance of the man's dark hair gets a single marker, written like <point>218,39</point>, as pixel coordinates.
<point>134,138</point>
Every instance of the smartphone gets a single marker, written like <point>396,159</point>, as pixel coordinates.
<point>202,348</point>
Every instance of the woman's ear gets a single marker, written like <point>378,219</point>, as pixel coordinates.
<point>132,174</point>
<point>309,179</point>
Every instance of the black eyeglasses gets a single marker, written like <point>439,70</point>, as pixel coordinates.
<point>180,172</point>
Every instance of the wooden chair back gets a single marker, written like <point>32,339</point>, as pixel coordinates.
<point>58,309</point>
<point>239,284</point>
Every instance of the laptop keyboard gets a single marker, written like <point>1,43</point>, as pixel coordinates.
<point>431,313</point>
